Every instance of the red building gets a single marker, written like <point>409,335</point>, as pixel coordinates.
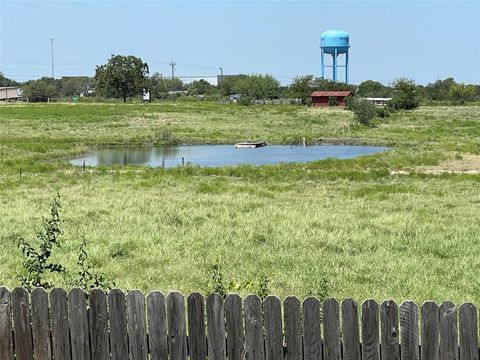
<point>321,98</point>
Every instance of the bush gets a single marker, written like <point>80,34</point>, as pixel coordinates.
<point>363,110</point>
<point>405,94</point>
<point>245,100</point>
<point>332,101</point>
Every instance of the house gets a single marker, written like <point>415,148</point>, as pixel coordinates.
<point>322,98</point>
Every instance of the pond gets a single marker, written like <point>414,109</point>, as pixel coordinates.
<point>219,155</point>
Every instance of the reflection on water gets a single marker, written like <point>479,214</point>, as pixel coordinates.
<point>219,155</point>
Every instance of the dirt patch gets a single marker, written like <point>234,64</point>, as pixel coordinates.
<point>456,164</point>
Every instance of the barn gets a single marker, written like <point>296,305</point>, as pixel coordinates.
<point>321,98</point>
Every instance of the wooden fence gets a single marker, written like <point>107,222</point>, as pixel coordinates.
<point>72,326</point>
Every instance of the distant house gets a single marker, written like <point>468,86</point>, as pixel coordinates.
<point>10,93</point>
<point>321,98</point>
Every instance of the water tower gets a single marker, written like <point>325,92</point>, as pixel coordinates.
<point>335,43</point>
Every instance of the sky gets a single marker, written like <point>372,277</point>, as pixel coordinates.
<point>422,40</point>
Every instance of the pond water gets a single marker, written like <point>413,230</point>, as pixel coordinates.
<point>219,155</point>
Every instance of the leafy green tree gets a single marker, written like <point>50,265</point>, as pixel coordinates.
<point>439,90</point>
<point>76,85</point>
<point>258,86</point>
<point>199,87</point>
<point>460,93</point>
<point>303,86</point>
<point>4,81</point>
<point>371,88</point>
<point>40,89</point>
<point>121,77</point>
<point>160,86</point>
<point>405,94</point>
<point>228,84</point>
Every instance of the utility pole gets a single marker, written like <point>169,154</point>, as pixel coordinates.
<point>51,43</point>
<point>172,64</point>
<point>221,86</point>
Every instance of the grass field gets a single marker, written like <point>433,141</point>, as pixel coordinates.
<point>392,225</point>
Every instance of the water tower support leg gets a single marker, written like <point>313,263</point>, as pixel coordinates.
<point>334,55</point>
<point>346,68</point>
<point>323,64</point>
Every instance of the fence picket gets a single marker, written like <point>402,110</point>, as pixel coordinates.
<point>99,325</point>
<point>350,330</point>
<point>331,330</point>
<point>370,344</point>
<point>254,328</point>
<point>6,339</point>
<point>196,327</point>
<point>59,324</point>
<point>216,327</point>
<point>176,326</point>
<point>21,324</point>
<point>157,326</point>
<point>272,314</point>
<point>118,325</point>
<point>409,331</point>
<point>293,328</point>
<point>448,331</point>
<point>312,336</point>
<point>137,336</point>
<point>468,332</point>
<point>234,322</point>
<point>42,347</point>
<point>430,331</point>
<point>390,331</point>
<point>78,324</point>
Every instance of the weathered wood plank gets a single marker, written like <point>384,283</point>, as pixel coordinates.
<point>137,335</point>
<point>157,326</point>
<point>390,331</point>
<point>331,330</point>
<point>234,323</point>
<point>312,338</point>
<point>99,325</point>
<point>350,331</point>
<point>430,348</point>
<point>196,327</point>
<point>59,324</point>
<point>216,327</point>
<point>21,324</point>
<point>118,325</point>
<point>42,346</point>
<point>6,338</point>
<point>272,314</point>
<point>253,328</point>
<point>448,331</point>
<point>409,331</point>
<point>370,342</point>
<point>293,328</point>
<point>176,326</point>
<point>468,332</point>
<point>78,323</point>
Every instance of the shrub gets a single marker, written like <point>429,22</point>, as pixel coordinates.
<point>364,111</point>
<point>332,101</point>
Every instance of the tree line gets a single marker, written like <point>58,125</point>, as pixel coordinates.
<point>128,77</point>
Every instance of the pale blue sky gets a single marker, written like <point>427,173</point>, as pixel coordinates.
<point>423,40</point>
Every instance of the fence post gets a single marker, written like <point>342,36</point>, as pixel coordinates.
<point>390,331</point>
<point>21,324</point>
<point>157,326</point>
<point>176,326</point>
<point>351,334</point>
<point>99,325</point>
<point>293,328</point>
<point>137,335</point>
<point>409,331</point>
<point>6,339</point>
<point>254,328</point>
<point>234,322</point>
<point>42,347</point>
<point>196,327</point>
<point>272,314</point>
<point>216,327</point>
<point>370,345</point>
<point>118,325</point>
<point>430,331</point>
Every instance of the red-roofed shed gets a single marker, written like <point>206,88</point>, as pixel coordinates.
<point>320,98</point>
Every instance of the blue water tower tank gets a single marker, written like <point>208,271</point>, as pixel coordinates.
<point>335,43</point>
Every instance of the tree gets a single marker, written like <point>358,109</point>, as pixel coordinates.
<point>121,77</point>
<point>460,93</point>
<point>258,86</point>
<point>199,87</point>
<point>4,81</point>
<point>160,86</point>
<point>76,85</point>
<point>405,94</point>
<point>40,90</point>
<point>439,90</point>
<point>371,88</point>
